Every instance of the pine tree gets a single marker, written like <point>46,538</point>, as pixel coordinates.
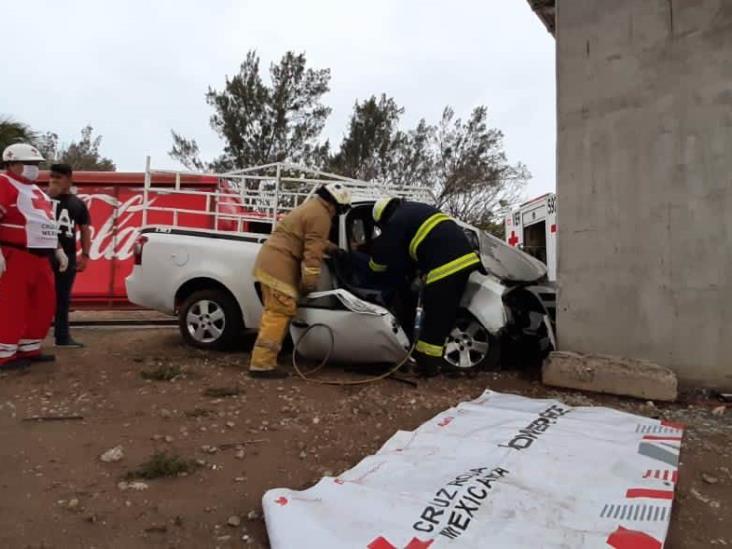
<point>371,147</point>
<point>261,123</point>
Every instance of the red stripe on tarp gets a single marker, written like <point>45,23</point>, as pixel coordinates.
<point>623,538</point>
<point>679,426</point>
<point>553,228</point>
<point>648,493</point>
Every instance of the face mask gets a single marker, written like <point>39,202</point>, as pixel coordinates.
<point>30,172</point>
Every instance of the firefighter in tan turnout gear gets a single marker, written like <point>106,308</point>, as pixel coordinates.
<point>287,266</point>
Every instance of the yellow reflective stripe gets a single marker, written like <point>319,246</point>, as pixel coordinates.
<point>429,349</point>
<point>376,267</point>
<point>452,267</point>
<point>379,209</point>
<point>312,270</point>
<point>424,230</point>
<point>275,283</point>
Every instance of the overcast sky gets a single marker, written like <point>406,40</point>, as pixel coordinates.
<point>134,69</point>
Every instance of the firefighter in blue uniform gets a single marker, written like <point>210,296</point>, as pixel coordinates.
<point>419,239</point>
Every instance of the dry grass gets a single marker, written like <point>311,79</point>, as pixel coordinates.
<point>162,464</point>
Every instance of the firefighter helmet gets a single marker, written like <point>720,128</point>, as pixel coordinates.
<point>22,152</point>
<point>340,193</point>
<point>380,206</point>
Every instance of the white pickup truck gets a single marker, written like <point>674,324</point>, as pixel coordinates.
<point>204,278</point>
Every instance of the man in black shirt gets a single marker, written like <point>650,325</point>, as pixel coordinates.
<point>71,213</point>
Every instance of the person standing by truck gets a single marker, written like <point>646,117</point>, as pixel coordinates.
<point>28,240</point>
<point>71,212</point>
<point>287,266</point>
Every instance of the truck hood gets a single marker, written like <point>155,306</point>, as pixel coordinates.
<point>508,263</point>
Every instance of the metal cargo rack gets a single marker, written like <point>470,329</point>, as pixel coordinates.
<point>260,195</point>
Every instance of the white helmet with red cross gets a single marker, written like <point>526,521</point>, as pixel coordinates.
<point>22,152</point>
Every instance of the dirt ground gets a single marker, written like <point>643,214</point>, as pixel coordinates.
<point>55,491</point>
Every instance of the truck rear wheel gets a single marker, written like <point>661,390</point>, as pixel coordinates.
<point>210,319</point>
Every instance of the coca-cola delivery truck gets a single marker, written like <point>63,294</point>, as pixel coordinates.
<point>532,227</point>
<point>115,202</point>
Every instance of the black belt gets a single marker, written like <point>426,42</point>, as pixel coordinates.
<point>40,252</point>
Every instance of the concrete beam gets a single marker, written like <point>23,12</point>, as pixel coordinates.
<point>609,374</point>
<point>546,11</point>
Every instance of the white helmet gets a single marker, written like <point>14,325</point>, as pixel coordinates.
<point>340,193</point>
<point>22,152</point>
<point>380,206</point>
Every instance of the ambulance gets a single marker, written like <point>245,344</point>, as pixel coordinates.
<point>532,227</point>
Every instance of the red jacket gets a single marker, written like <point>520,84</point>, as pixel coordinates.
<point>26,214</point>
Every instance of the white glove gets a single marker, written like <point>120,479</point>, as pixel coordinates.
<point>63,260</point>
<point>2,263</point>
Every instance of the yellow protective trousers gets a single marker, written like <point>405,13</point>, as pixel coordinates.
<point>279,309</point>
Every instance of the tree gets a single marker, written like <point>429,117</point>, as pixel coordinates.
<point>81,155</point>
<point>473,179</point>
<point>463,163</point>
<point>262,123</point>
<point>370,149</point>
<point>14,132</point>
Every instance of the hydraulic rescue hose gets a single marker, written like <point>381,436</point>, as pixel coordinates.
<point>418,318</point>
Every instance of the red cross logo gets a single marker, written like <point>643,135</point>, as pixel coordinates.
<point>281,501</point>
<point>623,538</point>
<point>382,543</point>
<point>513,240</point>
<point>41,202</point>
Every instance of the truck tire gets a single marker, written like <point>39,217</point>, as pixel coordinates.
<point>210,319</point>
<point>471,347</point>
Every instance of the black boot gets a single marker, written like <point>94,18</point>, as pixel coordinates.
<point>69,343</point>
<point>427,366</point>
<point>42,358</point>
<point>16,364</point>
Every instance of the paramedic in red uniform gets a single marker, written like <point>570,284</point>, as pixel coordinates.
<point>28,239</point>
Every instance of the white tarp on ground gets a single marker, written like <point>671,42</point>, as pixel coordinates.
<point>501,471</point>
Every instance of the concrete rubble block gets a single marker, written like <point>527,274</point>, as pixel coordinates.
<point>610,374</point>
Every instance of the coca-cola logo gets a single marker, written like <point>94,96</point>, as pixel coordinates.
<point>115,236</point>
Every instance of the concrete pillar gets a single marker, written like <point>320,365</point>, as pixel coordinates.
<point>645,182</point>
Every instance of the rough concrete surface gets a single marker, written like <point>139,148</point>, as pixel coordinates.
<point>644,182</point>
<point>610,375</point>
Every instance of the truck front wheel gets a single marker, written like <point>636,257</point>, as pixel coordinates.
<point>210,319</point>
